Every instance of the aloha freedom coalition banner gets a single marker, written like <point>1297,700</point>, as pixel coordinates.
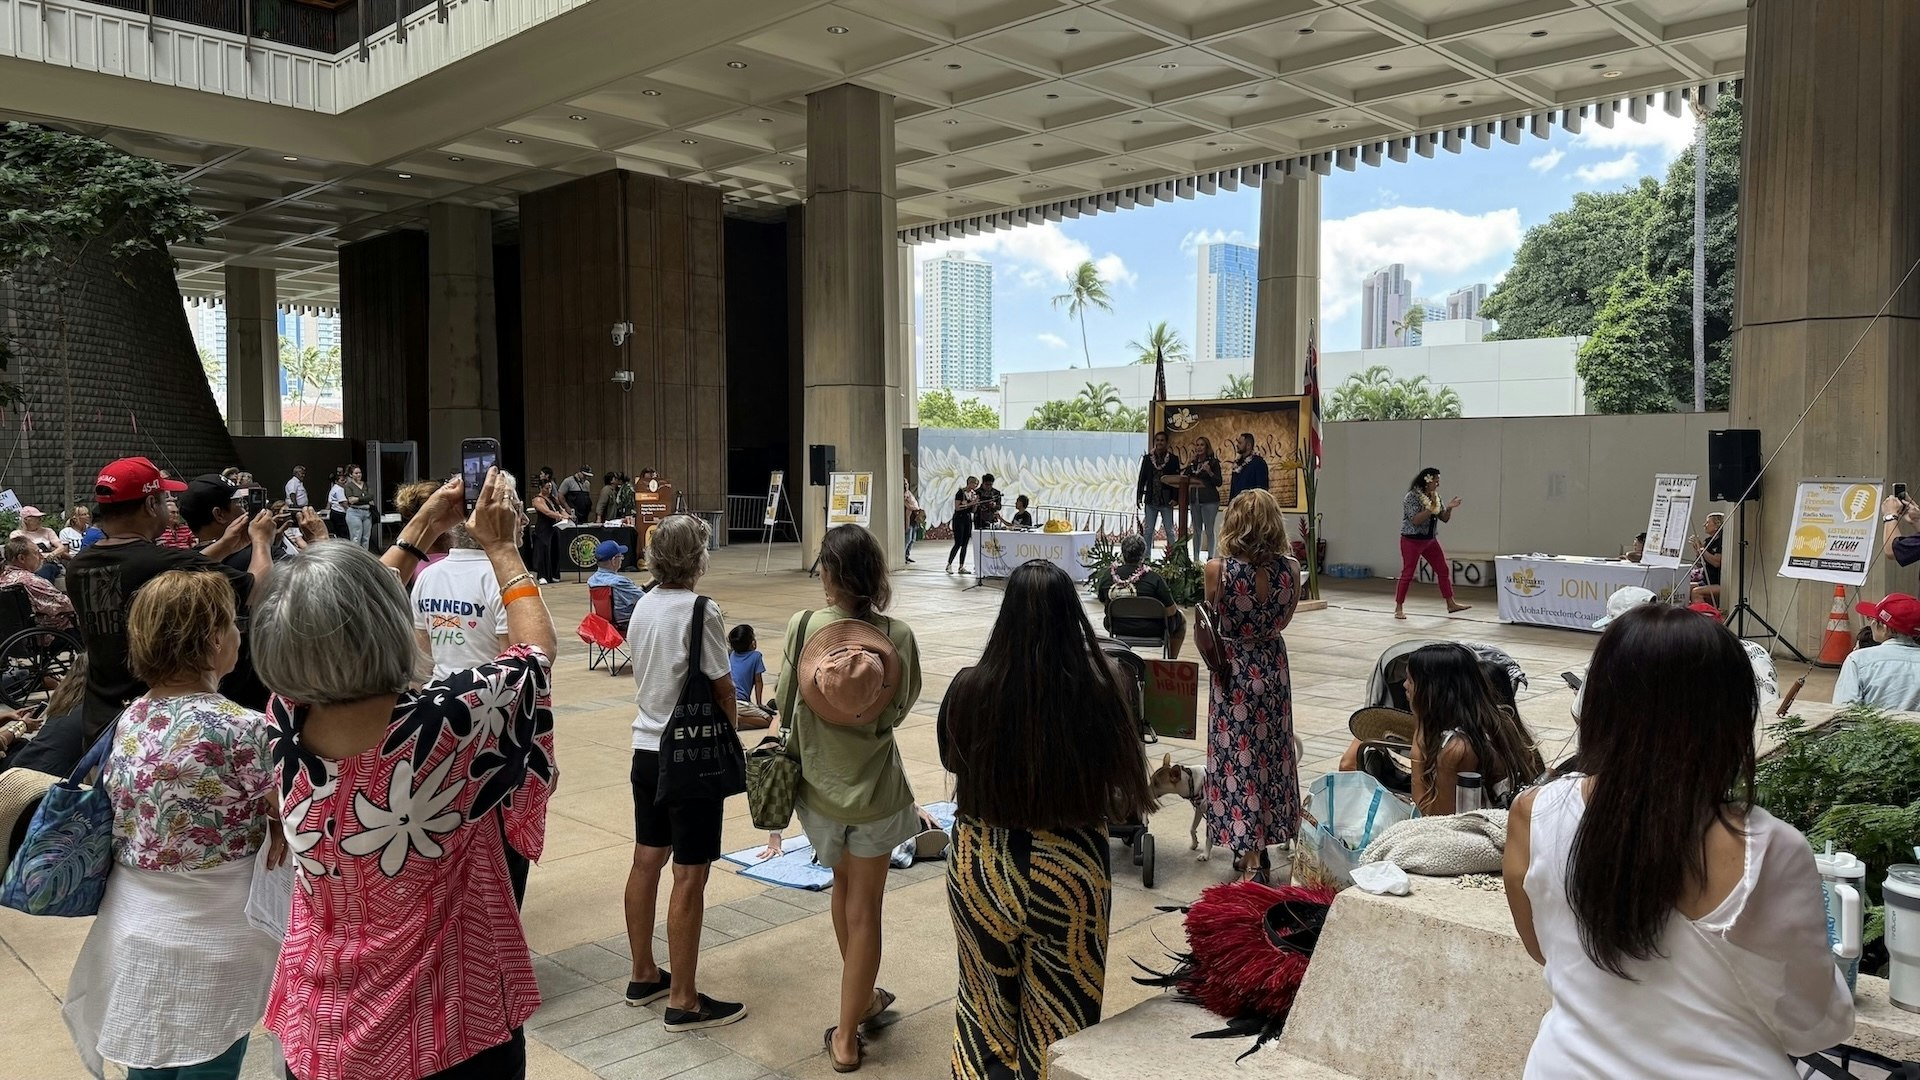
<point>1834,532</point>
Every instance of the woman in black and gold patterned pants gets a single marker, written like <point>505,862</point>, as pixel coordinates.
<point>1044,750</point>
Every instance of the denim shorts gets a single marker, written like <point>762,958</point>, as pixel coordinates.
<point>874,839</point>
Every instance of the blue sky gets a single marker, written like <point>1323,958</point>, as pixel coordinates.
<point>1453,220</point>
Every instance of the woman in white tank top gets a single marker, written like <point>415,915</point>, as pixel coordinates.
<point>1681,930</point>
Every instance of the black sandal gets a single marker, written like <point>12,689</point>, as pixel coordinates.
<point>860,1051</point>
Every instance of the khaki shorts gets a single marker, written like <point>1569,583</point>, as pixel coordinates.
<point>875,839</point>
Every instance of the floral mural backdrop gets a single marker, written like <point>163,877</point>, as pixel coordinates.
<point>1064,473</point>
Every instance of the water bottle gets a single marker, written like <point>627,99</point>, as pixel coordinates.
<point>1469,792</point>
<point>1842,879</point>
<point>1902,893</point>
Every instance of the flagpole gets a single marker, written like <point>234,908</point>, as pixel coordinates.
<point>1311,379</point>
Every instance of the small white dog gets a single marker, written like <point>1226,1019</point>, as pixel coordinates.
<point>1190,784</point>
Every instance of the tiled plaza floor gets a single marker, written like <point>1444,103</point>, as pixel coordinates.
<point>773,947</point>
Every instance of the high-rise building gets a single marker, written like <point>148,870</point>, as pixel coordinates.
<point>1229,280</point>
<point>956,326</point>
<point>1385,296</point>
<point>1465,303</point>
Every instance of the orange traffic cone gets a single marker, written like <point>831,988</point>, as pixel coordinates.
<point>1839,640</point>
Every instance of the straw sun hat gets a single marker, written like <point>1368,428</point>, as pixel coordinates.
<point>849,672</point>
<point>1388,727</point>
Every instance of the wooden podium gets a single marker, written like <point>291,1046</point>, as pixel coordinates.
<point>649,507</point>
<point>1185,485</point>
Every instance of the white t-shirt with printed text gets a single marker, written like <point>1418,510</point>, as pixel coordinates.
<point>657,634</point>
<point>457,602</point>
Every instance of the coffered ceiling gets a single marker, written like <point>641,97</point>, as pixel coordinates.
<point>1001,105</point>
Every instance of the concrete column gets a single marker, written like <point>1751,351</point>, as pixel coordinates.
<point>253,352</point>
<point>1289,287</point>
<point>463,360</point>
<point>904,356</point>
<point>1827,233</point>
<point>851,283</point>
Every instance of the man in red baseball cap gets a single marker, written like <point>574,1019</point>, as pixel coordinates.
<point>101,581</point>
<point>1886,674</point>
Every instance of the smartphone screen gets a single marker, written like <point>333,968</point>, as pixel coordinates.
<point>476,457</point>
<point>1900,491</point>
<point>256,500</point>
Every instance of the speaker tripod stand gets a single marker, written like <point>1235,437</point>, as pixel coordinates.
<point>1742,612</point>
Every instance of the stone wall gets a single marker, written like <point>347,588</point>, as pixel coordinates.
<point>131,382</point>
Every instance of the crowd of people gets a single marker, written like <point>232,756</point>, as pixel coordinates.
<point>275,695</point>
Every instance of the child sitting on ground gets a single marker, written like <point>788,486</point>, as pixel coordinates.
<point>751,709</point>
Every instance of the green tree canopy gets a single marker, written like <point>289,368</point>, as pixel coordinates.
<point>1637,360</point>
<point>1375,394</point>
<point>939,409</point>
<point>1161,340</point>
<point>1563,268</point>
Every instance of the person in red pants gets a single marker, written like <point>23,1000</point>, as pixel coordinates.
<point>1421,515</point>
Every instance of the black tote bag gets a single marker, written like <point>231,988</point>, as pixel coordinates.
<point>700,756</point>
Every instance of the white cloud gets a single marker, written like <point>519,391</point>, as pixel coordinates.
<point>1191,242</point>
<point>1605,172</point>
<point>1670,134</point>
<point>1053,341</point>
<point>1031,255</point>
<point>1437,246</point>
<point>1546,162</point>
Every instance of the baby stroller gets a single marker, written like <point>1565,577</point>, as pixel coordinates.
<point>1385,725</point>
<point>1133,672</point>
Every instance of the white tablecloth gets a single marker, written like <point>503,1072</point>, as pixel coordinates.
<point>996,552</point>
<point>1570,591</point>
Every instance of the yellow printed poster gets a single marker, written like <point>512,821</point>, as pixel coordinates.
<point>1835,529</point>
<point>847,498</point>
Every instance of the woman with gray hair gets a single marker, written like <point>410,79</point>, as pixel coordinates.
<point>404,956</point>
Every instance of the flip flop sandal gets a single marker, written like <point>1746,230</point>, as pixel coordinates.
<point>883,1000</point>
<point>930,844</point>
<point>860,1051</point>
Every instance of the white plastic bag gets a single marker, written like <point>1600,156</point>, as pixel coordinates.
<point>1349,809</point>
<point>270,897</point>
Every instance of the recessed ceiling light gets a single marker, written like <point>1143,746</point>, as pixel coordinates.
<point>1053,97</point>
<point>1136,121</point>
<point>455,157</point>
<point>1323,121</point>
<point>359,192</point>
<point>836,29</point>
<point>1168,66</point>
<point>950,123</point>
<point>1071,30</point>
<point>1383,67</point>
<point>1466,101</point>
<point>404,175</point>
<point>736,64</point>
<point>288,157</point>
<point>513,142</point>
<point>1225,149</point>
<point>953,166</point>
<point>766,119</point>
<point>953,67</point>
<point>690,142</point>
<point>575,116</point>
<point>1538,33</point>
<point>785,162</point>
<point>1609,74</point>
<point>1339,127</point>
<point>1596,67</point>
<point>1305,30</point>
<point>1249,95</point>
<point>1449,95</point>
<point>1039,144</point>
<point>650,93</point>
<point>1027,182</point>
<point>1213,144</point>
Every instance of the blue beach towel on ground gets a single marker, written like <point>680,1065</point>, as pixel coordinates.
<point>794,867</point>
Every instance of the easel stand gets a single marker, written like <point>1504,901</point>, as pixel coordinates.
<point>826,511</point>
<point>1743,611</point>
<point>771,527</point>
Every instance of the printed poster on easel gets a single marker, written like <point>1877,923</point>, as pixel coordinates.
<point>774,484</point>
<point>1835,530</point>
<point>1671,520</point>
<point>849,499</point>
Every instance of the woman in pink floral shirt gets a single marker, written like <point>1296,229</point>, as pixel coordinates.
<point>404,956</point>
<point>172,976</point>
<point>21,569</point>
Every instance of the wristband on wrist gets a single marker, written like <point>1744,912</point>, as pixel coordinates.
<point>517,579</point>
<point>411,549</point>
<point>524,592</point>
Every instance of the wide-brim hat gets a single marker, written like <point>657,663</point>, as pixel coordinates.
<point>20,793</point>
<point>1623,600</point>
<point>849,672</point>
<point>1377,724</point>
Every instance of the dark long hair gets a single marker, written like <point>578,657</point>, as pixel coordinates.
<point>1666,731</point>
<point>852,560</point>
<point>1040,734</point>
<point>1451,691</point>
<point>1420,478</point>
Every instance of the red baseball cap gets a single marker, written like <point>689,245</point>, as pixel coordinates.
<point>130,480</point>
<point>1708,610</point>
<point>1900,613</point>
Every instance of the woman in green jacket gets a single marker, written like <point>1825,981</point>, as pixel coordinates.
<point>856,674</point>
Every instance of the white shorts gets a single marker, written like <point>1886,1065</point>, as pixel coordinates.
<point>872,840</point>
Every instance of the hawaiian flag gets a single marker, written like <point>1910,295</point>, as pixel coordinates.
<point>1313,398</point>
<point>1159,375</point>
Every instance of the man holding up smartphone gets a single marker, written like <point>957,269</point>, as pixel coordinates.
<point>1900,535</point>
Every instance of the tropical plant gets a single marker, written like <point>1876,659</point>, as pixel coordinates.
<point>1854,783</point>
<point>1237,386</point>
<point>1375,394</point>
<point>63,198</point>
<point>939,409</point>
<point>211,365</point>
<point>1161,340</point>
<point>1100,397</point>
<point>1084,290</point>
<point>1127,418</point>
<point>1409,324</point>
<point>1058,416</point>
<point>309,369</point>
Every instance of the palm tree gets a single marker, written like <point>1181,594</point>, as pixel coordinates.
<point>1058,416</point>
<point>1162,340</point>
<point>1100,398</point>
<point>1410,323</point>
<point>1238,386</point>
<point>1084,290</point>
<point>1127,418</point>
<point>1374,394</point>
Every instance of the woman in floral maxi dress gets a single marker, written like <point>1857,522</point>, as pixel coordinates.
<point>1253,781</point>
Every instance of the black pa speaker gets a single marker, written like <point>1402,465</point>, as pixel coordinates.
<point>820,462</point>
<point>1733,464</point>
